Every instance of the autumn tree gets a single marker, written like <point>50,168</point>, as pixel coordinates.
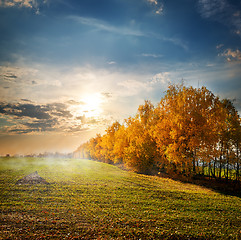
<point>141,150</point>
<point>186,129</point>
<point>108,142</point>
<point>230,138</point>
<point>188,132</point>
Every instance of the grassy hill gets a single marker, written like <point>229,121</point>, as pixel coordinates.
<point>93,200</point>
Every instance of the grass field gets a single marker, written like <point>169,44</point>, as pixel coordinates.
<point>93,200</point>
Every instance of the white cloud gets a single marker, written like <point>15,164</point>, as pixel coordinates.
<point>210,8</point>
<point>133,87</point>
<point>162,77</point>
<point>177,42</point>
<point>153,1</point>
<point>33,4</point>
<point>223,12</point>
<point>157,6</point>
<point>151,55</point>
<point>111,62</point>
<point>17,3</point>
<point>232,55</point>
<point>125,30</point>
<point>52,84</point>
<point>219,46</point>
<point>104,26</point>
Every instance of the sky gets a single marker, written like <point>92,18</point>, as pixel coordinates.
<point>69,68</point>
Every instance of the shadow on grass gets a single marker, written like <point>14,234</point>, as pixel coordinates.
<point>223,186</point>
<point>227,187</point>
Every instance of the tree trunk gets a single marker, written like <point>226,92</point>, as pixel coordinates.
<point>209,170</point>
<point>220,166</point>
<point>194,162</point>
<point>227,168</point>
<point>220,162</point>
<point>203,167</point>
<point>237,170</point>
<point>214,168</point>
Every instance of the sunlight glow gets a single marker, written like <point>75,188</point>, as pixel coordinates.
<point>91,106</point>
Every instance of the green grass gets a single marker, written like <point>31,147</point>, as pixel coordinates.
<point>93,200</point>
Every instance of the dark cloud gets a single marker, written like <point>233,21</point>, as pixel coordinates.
<point>29,110</point>
<point>42,125</point>
<point>35,111</point>
<point>77,129</point>
<point>10,76</point>
<point>107,94</point>
<point>2,109</point>
<point>20,131</point>
<point>25,100</point>
<point>30,117</point>
<point>59,109</point>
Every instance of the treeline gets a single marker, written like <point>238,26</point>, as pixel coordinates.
<point>191,131</point>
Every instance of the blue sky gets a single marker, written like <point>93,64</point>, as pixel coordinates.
<point>70,68</point>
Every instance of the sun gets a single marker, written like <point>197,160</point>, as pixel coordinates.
<point>88,106</point>
<point>92,105</point>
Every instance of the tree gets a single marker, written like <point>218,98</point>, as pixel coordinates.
<point>189,131</point>
<point>186,128</point>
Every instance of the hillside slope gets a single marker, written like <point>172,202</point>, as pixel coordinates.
<point>92,200</point>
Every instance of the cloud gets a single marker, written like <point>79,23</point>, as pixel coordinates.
<point>17,73</point>
<point>73,102</point>
<point>219,46</point>
<point>17,3</point>
<point>30,117</point>
<point>27,117</point>
<point>232,55</point>
<point>153,1</point>
<point>133,87</point>
<point>125,30</point>
<point>106,94</point>
<point>162,77</point>
<point>82,119</point>
<point>176,41</point>
<point>104,26</point>
<point>157,6</point>
<point>151,55</point>
<point>111,62</point>
<point>59,109</point>
<point>26,100</point>
<point>25,110</point>
<point>211,8</point>
<point>108,91</point>
<point>223,12</point>
<point>10,76</point>
<point>32,4</point>
<point>20,80</point>
<point>42,125</point>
